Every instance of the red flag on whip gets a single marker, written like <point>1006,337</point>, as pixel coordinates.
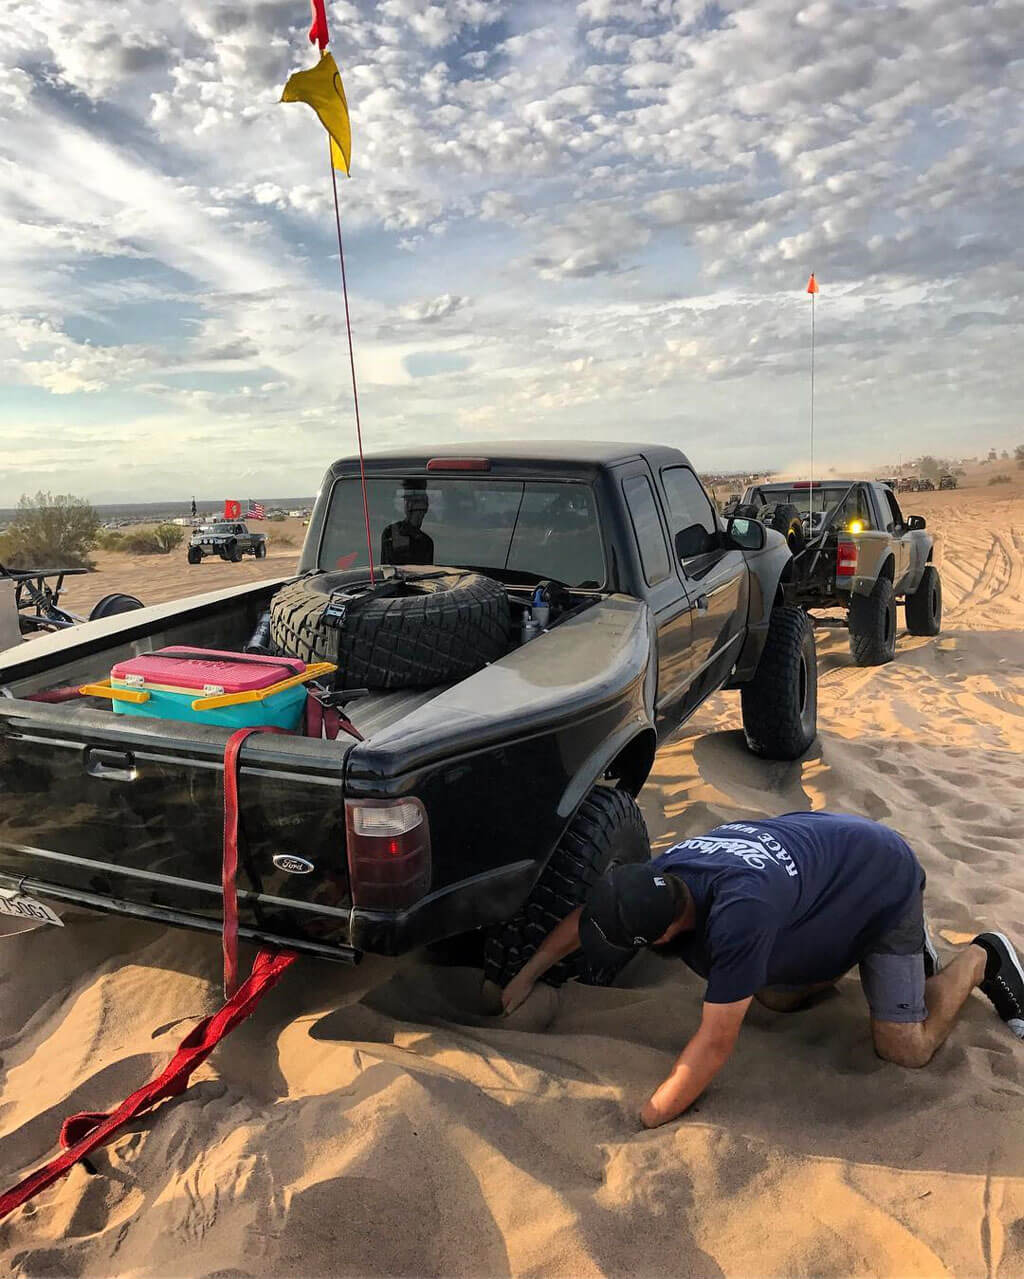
<point>321,88</point>
<point>318,31</point>
<point>812,284</point>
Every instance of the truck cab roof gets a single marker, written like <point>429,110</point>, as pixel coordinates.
<point>516,456</point>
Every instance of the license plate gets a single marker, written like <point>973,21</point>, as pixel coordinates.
<point>29,908</point>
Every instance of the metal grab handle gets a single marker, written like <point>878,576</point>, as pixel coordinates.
<point>702,603</point>
<point>114,766</point>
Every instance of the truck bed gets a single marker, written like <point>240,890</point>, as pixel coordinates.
<point>124,812</point>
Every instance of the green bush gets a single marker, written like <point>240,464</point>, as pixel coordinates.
<point>51,532</point>
<point>154,541</point>
<point>109,539</point>
<point>1000,479</point>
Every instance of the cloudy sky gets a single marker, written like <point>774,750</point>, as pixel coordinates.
<point>592,220</point>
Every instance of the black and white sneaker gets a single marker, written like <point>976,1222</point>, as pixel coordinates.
<point>1003,982</point>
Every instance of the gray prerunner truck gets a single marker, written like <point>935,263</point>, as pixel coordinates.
<point>542,617</point>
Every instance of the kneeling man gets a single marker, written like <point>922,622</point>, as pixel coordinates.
<point>779,910</point>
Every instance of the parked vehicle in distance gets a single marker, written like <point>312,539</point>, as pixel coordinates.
<point>228,539</point>
<point>860,554</point>
<point>947,482</point>
<point>909,484</point>
<point>605,595</point>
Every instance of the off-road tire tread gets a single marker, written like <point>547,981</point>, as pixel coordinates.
<point>608,826</point>
<point>917,608</point>
<point>867,629</point>
<point>769,702</point>
<point>406,642</point>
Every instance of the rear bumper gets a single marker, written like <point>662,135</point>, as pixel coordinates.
<point>177,918</point>
<point>472,903</point>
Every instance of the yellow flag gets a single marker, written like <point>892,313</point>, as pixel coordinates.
<point>321,89</point>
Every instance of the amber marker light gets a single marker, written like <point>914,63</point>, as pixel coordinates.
<point>856,526</point>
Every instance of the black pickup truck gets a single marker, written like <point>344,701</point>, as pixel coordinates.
<point>227,539</point>
<point>487,803</point>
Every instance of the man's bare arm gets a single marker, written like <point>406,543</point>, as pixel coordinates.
<point>563,939</point>
<point>698,1063</point>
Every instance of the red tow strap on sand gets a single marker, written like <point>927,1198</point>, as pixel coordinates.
<point>81,1134</point>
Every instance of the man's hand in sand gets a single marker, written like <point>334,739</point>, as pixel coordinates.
<point>698,1063</point>
<point>561,941</point>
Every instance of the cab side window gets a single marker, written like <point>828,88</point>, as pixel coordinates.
<point>690,513</point>
<point>650,538</point>
<point>855,508</point>
<point>893,511</point>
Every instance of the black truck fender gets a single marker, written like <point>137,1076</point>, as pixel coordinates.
<point>770,568</point>
<point>569,710</point>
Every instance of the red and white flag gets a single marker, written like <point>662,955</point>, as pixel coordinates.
<point>257,511</point>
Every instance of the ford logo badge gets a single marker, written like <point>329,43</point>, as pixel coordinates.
<point>293,865</point>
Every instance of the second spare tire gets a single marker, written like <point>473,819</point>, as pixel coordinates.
<point>416,629</point>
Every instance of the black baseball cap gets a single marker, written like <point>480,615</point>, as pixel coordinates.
<point>629,907</point>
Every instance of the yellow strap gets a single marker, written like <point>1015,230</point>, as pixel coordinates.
<point>258,694</point>
<point>116,694</point>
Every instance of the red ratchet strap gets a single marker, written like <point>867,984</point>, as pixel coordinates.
<point>54,695</point>
<point>327,721</point>
<point>229,865</point>
<point>81,1134</point>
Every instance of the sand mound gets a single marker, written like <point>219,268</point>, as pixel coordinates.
<point>382,1121</point>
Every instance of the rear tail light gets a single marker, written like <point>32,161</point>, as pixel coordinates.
<point>846,559</point>
<point>388,852</point>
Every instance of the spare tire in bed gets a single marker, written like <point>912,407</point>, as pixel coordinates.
<point>416,629</point>
<point>786,519</point>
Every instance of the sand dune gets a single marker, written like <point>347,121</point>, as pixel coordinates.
<point>377,1121</point>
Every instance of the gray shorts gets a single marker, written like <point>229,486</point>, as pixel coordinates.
<point>893,971</point>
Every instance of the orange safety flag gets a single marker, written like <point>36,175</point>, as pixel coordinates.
<point>321,89</point>
<point>812,284</point>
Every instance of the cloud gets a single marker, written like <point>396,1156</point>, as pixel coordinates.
<point>631,193</point>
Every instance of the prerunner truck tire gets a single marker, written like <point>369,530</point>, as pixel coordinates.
<point>427,626</point>
<point>873,625</point>
<point>780,704</point>
<point>608,828</point>
<point>924,608</point>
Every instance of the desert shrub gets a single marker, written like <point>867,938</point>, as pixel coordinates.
<point>283,539</point>
<point>109,539</point>
<point>160,540</point>
<point>51,532</point>
<point>1000,479</point>
<point>276,517</point>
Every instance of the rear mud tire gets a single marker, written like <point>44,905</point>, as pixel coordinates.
<point>447,626</point>
<point>261,550</point>
<point>780,704</point>
<point>607,829</point>
<point>872,624</point>
<point>924,608</point>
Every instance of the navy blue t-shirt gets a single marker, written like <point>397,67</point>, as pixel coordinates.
<point>789,901</point>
